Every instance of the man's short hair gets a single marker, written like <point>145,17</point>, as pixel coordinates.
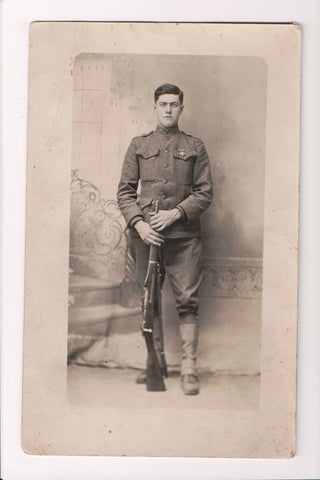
<point>168,88</point>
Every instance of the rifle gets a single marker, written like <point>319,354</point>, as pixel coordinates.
<point>156,369</point>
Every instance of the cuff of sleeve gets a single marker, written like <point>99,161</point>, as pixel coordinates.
<point>134,220</point>
<point>183,217</point>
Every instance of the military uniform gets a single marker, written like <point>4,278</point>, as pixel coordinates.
<point>174,169</point>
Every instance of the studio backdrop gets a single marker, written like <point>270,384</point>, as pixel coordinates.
<point>225,106</point>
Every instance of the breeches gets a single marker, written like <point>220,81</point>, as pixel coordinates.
<point>180,260</point>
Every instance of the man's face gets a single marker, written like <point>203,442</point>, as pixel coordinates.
<point>168,110</point>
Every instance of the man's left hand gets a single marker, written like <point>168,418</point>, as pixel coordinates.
<point>164,218</point>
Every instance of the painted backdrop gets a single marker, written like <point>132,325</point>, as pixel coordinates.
<point>225,106</point>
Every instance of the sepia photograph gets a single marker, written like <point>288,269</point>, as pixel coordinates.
<point>162,240</point>
<point>189,150</point>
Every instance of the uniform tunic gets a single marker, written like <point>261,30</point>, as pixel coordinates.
<point>174,169</point>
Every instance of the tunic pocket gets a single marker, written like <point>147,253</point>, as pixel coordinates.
<point>148,164</point>
<point>143,202</point>
<point>146,206</point>
<point>184,163</point>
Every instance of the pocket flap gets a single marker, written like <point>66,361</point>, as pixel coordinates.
<point>148,152</point>
<point>143,202</point>
<point>184,154</point>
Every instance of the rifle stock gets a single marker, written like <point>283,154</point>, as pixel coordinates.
<point>154,380</point>
<point>158,308</point>
<point>152,305</point>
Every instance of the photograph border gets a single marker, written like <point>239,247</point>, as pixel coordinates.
<point>269,431</point>
<point>306,462</point>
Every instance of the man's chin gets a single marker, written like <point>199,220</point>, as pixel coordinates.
<point>168,123</point>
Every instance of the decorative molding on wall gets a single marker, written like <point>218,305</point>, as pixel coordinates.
<point>232,277</point>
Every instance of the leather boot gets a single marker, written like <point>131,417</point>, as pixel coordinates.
<point>189,337</point>
<point>190,384</point>
<point>142,377</point>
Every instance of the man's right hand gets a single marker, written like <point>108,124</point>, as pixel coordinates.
<point>148,235</point>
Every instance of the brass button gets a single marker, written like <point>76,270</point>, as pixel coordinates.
<point>165,164</point>
<point>165,181</point>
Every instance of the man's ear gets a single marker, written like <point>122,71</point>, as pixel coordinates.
<point>154,106</point>
<point>181,109</point>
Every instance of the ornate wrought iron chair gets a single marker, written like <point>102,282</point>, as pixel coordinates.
<point>101,282</point>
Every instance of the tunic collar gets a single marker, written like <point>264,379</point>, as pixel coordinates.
<point>167,131</point>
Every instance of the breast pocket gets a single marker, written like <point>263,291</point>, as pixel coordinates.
<point>184,164</point>
<point>148,164</point>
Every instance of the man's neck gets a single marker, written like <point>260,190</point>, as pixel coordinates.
<point>167,130</point>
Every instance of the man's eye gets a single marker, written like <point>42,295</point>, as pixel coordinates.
<point>173,105</point>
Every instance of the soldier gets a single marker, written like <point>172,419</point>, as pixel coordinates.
<point>173,168</point>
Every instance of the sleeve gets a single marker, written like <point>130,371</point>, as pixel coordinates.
<point>135,220</point>
<point>201,194</point>
<point>127,188</point>
<point>182,212</point>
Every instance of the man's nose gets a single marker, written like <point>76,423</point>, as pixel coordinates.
<point>168,109</point>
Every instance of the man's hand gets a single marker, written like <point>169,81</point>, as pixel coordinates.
<point>164,218</point>
<point>148,235</point>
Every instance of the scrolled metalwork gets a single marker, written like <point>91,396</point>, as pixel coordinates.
<point>94,222</point>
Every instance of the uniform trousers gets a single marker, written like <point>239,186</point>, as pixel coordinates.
<point>181,260</point>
